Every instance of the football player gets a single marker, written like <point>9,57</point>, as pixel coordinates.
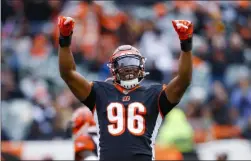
<point>126,113</point>
<point>84,134</point>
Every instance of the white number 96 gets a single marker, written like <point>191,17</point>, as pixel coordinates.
<point>135,118</point>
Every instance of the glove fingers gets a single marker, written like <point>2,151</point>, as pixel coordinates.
<point>188,23</point>
<point>66,25</point>
<point>68,20</point>
<point>60,20</point>
<point>174,22</point>
<point>186,26</point>
<point>185,23</point>
<point>183,29</point>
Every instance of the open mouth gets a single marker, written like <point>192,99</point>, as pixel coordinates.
<point>128,73</point>
<point>129,77</point>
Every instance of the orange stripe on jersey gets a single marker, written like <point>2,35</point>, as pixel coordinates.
<point>121,89</point>
<point>163,88</point>
<point>91,83</point>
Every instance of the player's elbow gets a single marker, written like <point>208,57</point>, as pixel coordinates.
<point>188,82</point>
<point>65,75</point>
<point>186,85</point>
<point>185,81</point>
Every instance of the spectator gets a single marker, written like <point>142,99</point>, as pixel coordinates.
<point>174,129</point>
<point>43,12</point>
<point>241,100</point>
<point>236,53</point>
<point>10,89</point>
<point>155,48</point>
<point>219,106</point>
<point>218,58</point>
<point>16,122</point>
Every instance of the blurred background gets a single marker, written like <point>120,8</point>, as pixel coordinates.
<point>213,120</point>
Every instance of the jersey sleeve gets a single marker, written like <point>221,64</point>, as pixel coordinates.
<point>90,101</point>
<point>164,105</point>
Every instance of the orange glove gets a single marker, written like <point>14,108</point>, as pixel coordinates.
<point>184,28</point>
<point>66,25</point>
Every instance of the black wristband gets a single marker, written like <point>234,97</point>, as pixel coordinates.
<point>186,45</point>
<point>65,41</point>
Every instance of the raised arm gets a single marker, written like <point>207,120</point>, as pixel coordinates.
<point>79,86</point>
<point>177,87</point>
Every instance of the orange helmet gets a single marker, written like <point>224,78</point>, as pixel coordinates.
<point>82,119</point>
<point>127,66</point>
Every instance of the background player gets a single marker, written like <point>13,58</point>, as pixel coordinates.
<point>127,115</point>
<point>84,134</point>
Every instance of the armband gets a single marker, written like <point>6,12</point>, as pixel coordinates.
<point>65,41</point>
<point>186,45</point>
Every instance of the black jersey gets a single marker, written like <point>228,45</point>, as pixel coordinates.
<point>127,121</point>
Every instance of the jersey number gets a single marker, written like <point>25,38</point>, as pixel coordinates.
<point>135,121</point>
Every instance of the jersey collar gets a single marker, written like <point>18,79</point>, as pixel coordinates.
<point>123,90</point>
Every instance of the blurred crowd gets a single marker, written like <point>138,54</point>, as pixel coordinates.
<point>36,104</point>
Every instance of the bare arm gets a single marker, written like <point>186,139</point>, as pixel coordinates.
<point>79,86</point>
<point>177,87</point>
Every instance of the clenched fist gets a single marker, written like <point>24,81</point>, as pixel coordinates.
<point>184,28</point>
<point>66,25</point>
